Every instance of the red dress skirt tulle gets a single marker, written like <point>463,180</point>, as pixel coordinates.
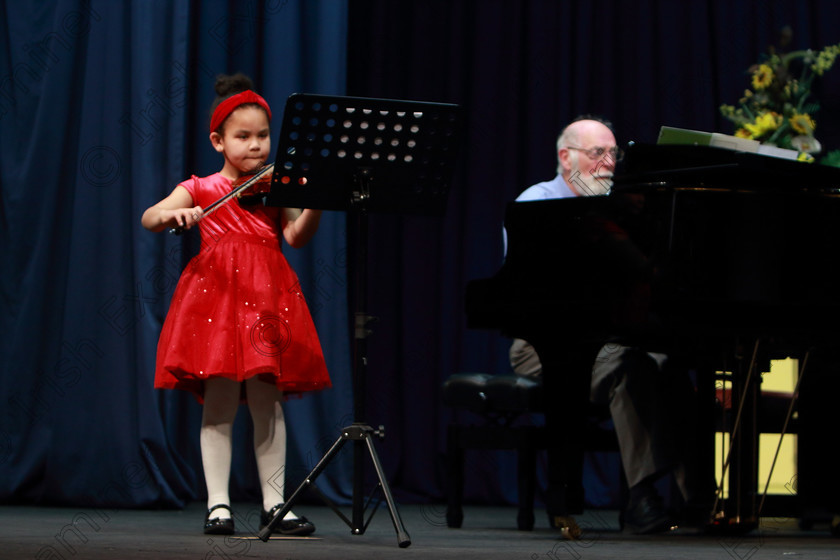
<point>238,312</point>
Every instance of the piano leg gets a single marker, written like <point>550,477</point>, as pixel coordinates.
<point>817,482</point>
<point>699,507</point>
<point>567,376</point>
<point>699,460</point>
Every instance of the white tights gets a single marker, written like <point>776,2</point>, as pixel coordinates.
<point>221,401</point>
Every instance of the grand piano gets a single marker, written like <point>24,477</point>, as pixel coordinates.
<point>727,259</point>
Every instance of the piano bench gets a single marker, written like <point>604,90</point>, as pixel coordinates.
<point>499,400</point>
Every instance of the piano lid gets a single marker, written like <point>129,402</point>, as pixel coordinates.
<point>647,165</point>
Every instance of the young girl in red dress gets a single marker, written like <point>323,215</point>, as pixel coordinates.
<point>238,327</point>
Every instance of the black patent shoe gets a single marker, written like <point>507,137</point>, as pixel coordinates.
<point>298,526</point>
<point>218,525</point>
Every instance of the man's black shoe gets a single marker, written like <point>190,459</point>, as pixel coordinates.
<point>646,516</point>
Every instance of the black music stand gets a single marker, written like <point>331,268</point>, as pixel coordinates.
<point>362,155</point>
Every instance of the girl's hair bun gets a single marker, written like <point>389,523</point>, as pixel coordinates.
<point>231,85</point>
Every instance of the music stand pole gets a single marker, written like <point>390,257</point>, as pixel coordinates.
<point>360,333</point>
<point>331,151</point>
<point>359,431</point>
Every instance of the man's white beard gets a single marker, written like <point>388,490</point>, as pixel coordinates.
<point>589,184</point>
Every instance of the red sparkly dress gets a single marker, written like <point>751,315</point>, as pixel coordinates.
<point>238,310</point>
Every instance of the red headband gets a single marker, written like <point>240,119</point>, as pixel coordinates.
<point>227,106</point>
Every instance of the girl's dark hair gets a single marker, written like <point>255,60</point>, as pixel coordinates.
<point>228,85</point>
<point>231,85</point>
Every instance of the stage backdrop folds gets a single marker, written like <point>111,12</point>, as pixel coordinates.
<point>104,108</point>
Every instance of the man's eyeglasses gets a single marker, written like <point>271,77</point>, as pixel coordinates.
<point>598,152</point>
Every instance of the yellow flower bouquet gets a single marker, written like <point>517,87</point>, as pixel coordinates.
<point>778,110</point>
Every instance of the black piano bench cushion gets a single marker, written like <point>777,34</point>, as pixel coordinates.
<point>512,393</point>
<point>484,393</point>
<point>467,391</point>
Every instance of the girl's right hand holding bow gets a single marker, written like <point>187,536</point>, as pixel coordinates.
<point>174,211</point>
<point>183,218</point>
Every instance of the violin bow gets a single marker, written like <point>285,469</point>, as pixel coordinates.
<point>236,192</point>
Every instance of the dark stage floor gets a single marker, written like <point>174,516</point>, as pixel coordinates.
<point>488,533</point>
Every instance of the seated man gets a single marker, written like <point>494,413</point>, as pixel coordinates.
<point>644,393</point>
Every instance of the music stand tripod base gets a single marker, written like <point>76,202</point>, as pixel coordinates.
<point>362,155</point>
<point>360,434</point>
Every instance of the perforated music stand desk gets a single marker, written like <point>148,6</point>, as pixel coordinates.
<point>374,155</point>
<point>362,155</point>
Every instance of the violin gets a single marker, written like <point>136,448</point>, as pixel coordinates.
<point>248,189</point>
<point>258,184</point>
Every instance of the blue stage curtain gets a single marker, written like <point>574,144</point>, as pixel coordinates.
<point>104,108</point>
